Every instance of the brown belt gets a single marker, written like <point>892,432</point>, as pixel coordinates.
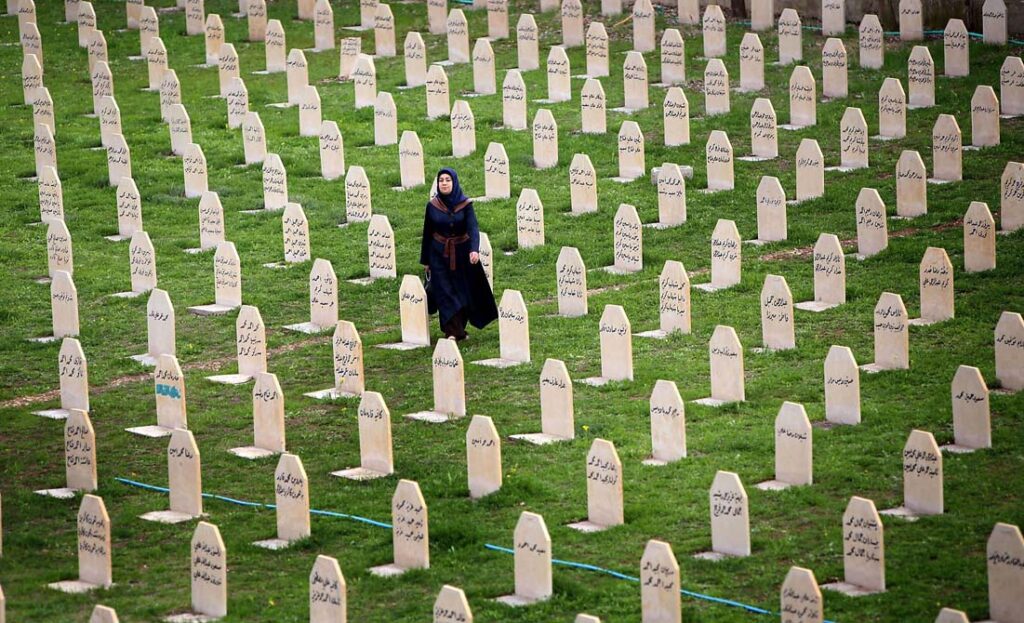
<point>449,243</point>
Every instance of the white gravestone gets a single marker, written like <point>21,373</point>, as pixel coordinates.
<point>1009,351</point>
<point>582,185</point>
<point>323,26</point>
<point>291,497</point>
<point>834,80</point>
<point>979,238</point>
<point>935,278</point>
<point>593,108</point>
<point>310,118</point>
<point>79,456</point>
<point>716,88</point>
<point>463,129</point>
<point>256,18</point>
<point>483,457</point>
<point>1011,86</point>
<point>160,328</point>
<point>513,100</point>
<point>800,598</point>
<point>179,127</point>
<point>94,548</point>
<point>1005,578</point>
<point>527,37</point>
<point>872,224</point>
<point>438,102</point>
<point>676,115</point>
<point>413,314</point>
<point>777,326</point>
<point>184,478</point>
<point>668,424</point>
<point>409,531</point>
<point>384,32</point>
<point>347,356</point>
<point>254,140</point>
<point>545,140</point>
<point>532,562</point>
<point>119,160</point>
<point>634,79</point>
<point>328,600</point>
<point>726,256</point>
<point>51,197</point>
<point>556,406</point>
<point>268,419</point>
<point>604,489</point>
<point>1011,213</point>
<point>972,428</point>
<point>597,50</point>
<point>275,47</point>
<point>458,37</point>
<point>375,450</point>
<point>771,211</point>
<point>643,26</point>
<point>358,201</point>
<point>842,387</point>
<point>250,347</point>
<point>514,332</point>
<point>994,19</point>
<point>169,389</point>
<point>726,355</point>
<point>385,120</point>
<point>922,477</point>
<point>730,518</point>
<point>871,43</point>
<point>671,196</point>
<point>214,38</point>
<point>853,140</point>
<point>323,299</point>
<point>984,117</point>
<point>142,264</point>
<point>793,449</point>
<point>415,53</point>
<point>947,150</point>
<point>496,172</point>
<point>529,219</point>
<point>45,149</point>
<point>237,101</point>
<point>449,385</point>
<point>571,283</point>
<point>227,282</point>
<point>484,81</point>
<point>129,210</point>
<point>497,19</point>
<point>764,131</point>
<point>751,64</point>
<point>64,306</point>
<point>892,110</point>
<point>956,49</point>
<point>911,185</point>
<point>59,254</point>
<point>863,550</point>
<point>559,76</point>
<point>673,58</point>
<point>790,37</point>
<point>364,77</point>
<point>920,78</point>
<point>632,163</point>
<point>572,23</point>
<point>802,99</point>
<point>628,241</point>
<point>892,335</point>
<point>332,151</point>
<point>193,163</point>
<point>719,158</point>
<point>829,275</point>
<point>833,17</point>
<point>713,27</point>
<point>911,20</point>
<point>660,596</point>
<point>616,347</point>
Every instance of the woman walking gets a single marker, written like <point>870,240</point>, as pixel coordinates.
<point>450,253</point>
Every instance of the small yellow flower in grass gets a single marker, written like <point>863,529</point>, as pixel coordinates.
<point>586,429</point>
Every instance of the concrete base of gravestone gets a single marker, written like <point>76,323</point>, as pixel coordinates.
<point>588,527</point>
<point>402,346</point>
<point>792,126</point>
<point>267,72</point>
<point>653,462</point>
<point>212,309</point>
<point>117,238</point>
<point>885,138</point>
<point>595,381</point>
<point>359,473</point>
<point>53,414</point>
<point>75,587</point>
<point>815,306</point>
<point>387,571</point>
<point>46,339</point>
<point>850,590</point>
<point>919,106</point>
<point>874,368</point>
<point>153,432</point>
<point>656,334</point>
<point>230,379</point>
<point>843,169</point>
<point>487,198</point>
<point>618,271</point>
<point>400,189</point>
<point>713,402</point>
<point>168,517</point>
<point>280,105</point>
<point>1008,116</point>
<point>272,544</point>
<point>128,295</point>
<point>626,111</point>
<point>757,242</point>
<point>505,127</point>
<point>62,493</point>
<point>253,453</point>
<point>190,617</point>
<point>938,182</point>
<point>711,191</point>
<point>307,327</point>
<point>902,512</point>
<point>356,28</point>
<point>624,180</point>
<point>331,393</point>
<point>433,417</point>
<point>539,439</point>
<point>924,322</point>
<point>773,485</point>
<point>43,280</point>
<point>276,265</point>
<point>712,556</point>
<point>955,449</point>
<point>661,225</point>
<point>145,359</point>
<point>518,601</point>
<point>755,158</point>
<point>362,281</point>
<point>709,287</point>
<point>498,362</point>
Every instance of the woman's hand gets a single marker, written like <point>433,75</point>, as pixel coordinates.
<point>474,257</point>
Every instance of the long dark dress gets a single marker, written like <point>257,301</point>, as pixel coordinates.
<point>449,235</point>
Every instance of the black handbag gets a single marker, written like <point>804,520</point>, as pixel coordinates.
<point>428,287</point>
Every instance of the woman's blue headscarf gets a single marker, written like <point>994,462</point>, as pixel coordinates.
<point>455,197</point>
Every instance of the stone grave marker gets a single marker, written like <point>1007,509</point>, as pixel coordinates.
<point>1011,213</point>
<point>415,53</point>
<point>972,429</point>
<point>332,151</point>
<point>45,149</point>
<point>872,232</point>
<point>582,185</point>
<point>947,150</point>
<point>94,550</point>
<point>364,77</point>
<point>527,38</point>
<point>956,49</point>
<point>79,436</point>
<point>513,99</point>
<point>385,120</point>
<point>458,37</point>
<point>367,14</point>
<point>86,22</point>
<point>185,480</point>
<point>275,183</point>
<point>211,222</point>
<point>1009,351</point>
<point>1011,86</point>
<point>834,82</point>
<point>497,19</point>
<point>209,571</point>
<point>572,23</point>
<point>142,264</point>
<point>100,614</point>
<point>634,79</point>
<point>730,518</point>
<point>592,107</point>
<point>483,68</point>
<point>911,20</point>
<point>323,299</point>
<point>984,117</point>
<point>451,605</point>
<point>228,68</point>
<point>227,282</point>
<point>483,457</point>
<point>437,93</point>
<point>291,496</point>
<point>673,58</point>
<point>803,104</point>
<point>604,489</point>
<point>993,19</point>
<point>936,283</point>
<point>375,452</point>
<point>160,328</point>
<point>559,76</point>
<point>349,378</point>
<point>556,406</point>
<point>256,14</point>
<point>764,132</point>
<point>911,185</point>
<point>713,28</point>
<point>529,219</point>
<point>180,129</point>
<point>109,116</point>
<point>532,562</point>
<point>725,257</point>
<point>1005,546</point>
<point>793,449</point>
<point>384,32</point>
<point>149,28</point>
<point>979,238</point>
<point>726,355</point>
<point>449,385</point>
<point>871,42</point>
<point>777,326</point>
<point>716,88</point>
<point>545,140</point>
<point>237,101</point>
<point>671,196</point>
<point>463,129</point>
<point>323,26</point>
<point>571,283</point>
<point>632,164</point>
<point>297,72</point>
<point>129,210</point>
<point>51,197</point>
<point>800,598</point>
<point>597,50</point>
<point>195,17</point>
<point>892,110</point>
<point>32,77</point>
<point>328,601</point>
<point>254,140</point>
<point>213,31</point>
<point>833,17</point>
<point>514,331</point>
<point>676,114</point>
<point>410,533</point>
<point>193,163</point>
<point>643,26</point>
<point>751,64</point>
<point>790,37</point>
<point>921,78</point>
<point>810,171</point>
<point>496,172</point>
<point>660,597</point>
<point>853,140</point>
<point>771,211</point>
<point>863,550</point>
<point>169,388</point>
<point>892,335</point>
<point>358,203</point>
<point>268,419</point>
<point>668,425</point>
<point>42,112</point>
<point>250,347</point>
<point>59,255</point>
<point>628,236</point>
<point>413,312</point>
<point>922,477</point>
<point>829,275</point>
<point>616,347</point>
<point>380,241</point>
<point>719,162</point>
<point>276,48</point>
<point>310,118</point>
<point>842,386</point>
<point>119,160</point>
<point>63,307</point>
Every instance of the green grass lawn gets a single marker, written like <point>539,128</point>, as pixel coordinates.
<point>937,561</point>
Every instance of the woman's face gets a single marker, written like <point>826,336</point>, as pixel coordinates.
<point>444,183</point>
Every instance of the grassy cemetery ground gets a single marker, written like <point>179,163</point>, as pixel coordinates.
<point>934,562</point>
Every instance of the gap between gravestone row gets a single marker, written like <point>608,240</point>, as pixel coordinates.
<point>216,364</point>
<point>489,546</point>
